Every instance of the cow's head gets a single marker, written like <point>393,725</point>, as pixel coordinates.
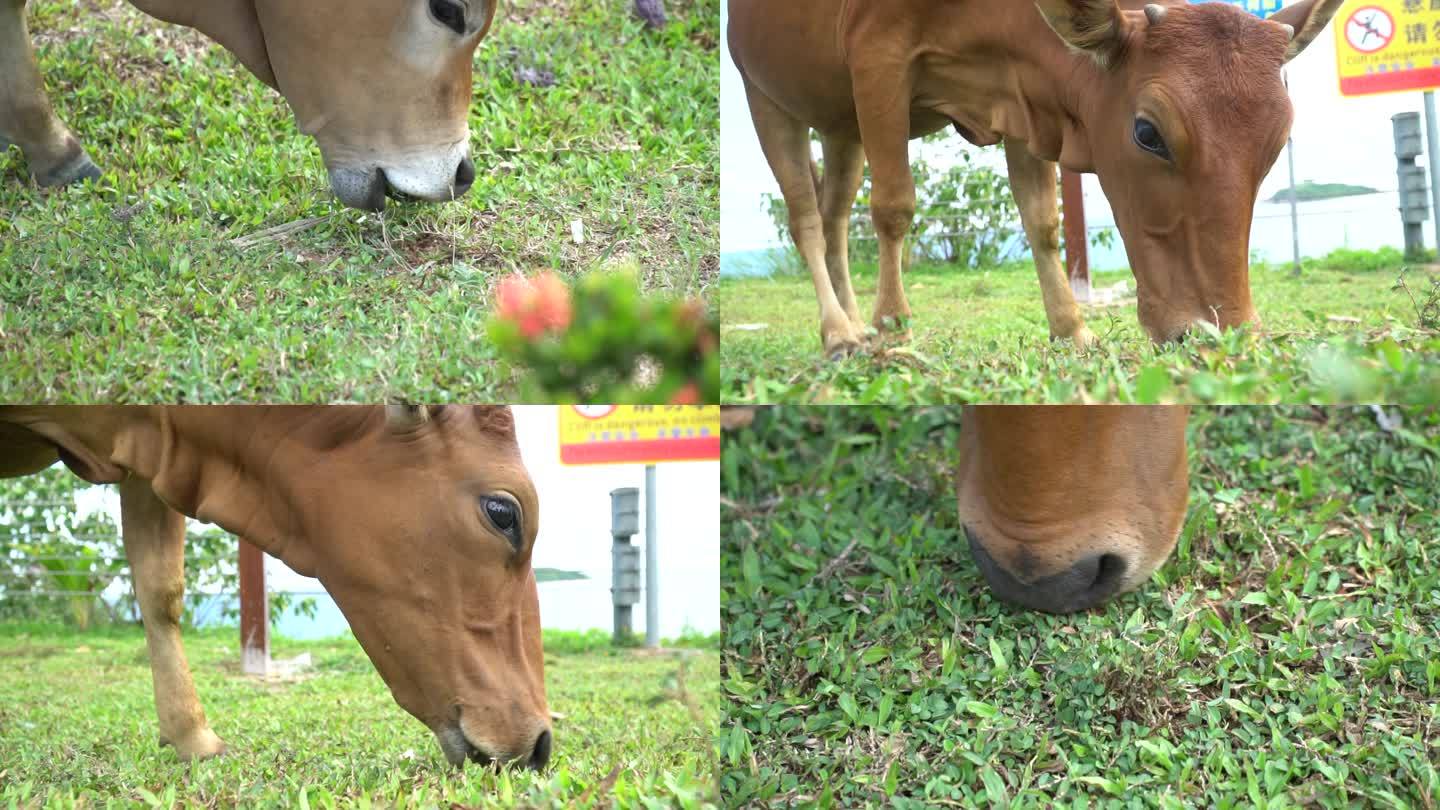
<point>382,85</point>
<point>1182,118</point>
<point>1066,506</point>
<point>422,529</point>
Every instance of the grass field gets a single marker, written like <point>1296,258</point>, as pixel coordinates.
<point>137,288</point>
<point>1341,332</point>
<point>1287,655</point>
<point>77,727</point>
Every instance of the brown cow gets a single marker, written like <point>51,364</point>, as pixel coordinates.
<point>419,522</point>
<point>382,85</point>
<point>1065,506</point>
<point>1180,110</point>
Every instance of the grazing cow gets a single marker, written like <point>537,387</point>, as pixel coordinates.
<point>382,85</point>
<point>1180,109</point>
<point>419,522</point>
<point>1066,506</point>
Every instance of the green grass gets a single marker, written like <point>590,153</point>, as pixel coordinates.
<point>982,337</point>
<point>1288,654</point>
<point>101,301</point>
<point>77,726</point>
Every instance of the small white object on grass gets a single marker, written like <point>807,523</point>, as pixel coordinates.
<point>1388,422</point>
<point>577,231</point>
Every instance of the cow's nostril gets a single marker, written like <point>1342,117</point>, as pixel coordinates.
<point>541,754</point>
<point>1108,573</point>
<point>464,176</point>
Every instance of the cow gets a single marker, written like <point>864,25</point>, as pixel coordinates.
<point>1065,506</point>
<point>1179,109</point>
<point>420,523</point>
<point>382,85</point>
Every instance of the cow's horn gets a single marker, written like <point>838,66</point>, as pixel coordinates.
<point>1289,30</point>
<point>405,416</point>
<point>1154,12</point>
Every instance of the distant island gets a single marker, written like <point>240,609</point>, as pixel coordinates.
<point>556,575</point>
<point>1307,191</point>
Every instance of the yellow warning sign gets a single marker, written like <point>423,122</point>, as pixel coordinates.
<point>1385,46</point>
<point>638,434</point>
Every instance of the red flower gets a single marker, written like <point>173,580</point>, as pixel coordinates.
<point>536,305</point>
<point>689,395</point>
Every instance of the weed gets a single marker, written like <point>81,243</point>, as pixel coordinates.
<point>1287,654</point>
<point>1328,336</point>
<point>213,264</point>
<point>78,727</point>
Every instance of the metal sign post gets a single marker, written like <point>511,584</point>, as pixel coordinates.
<point>1294,197</point>
<point>652,564</point>
<point>254,612</point>
<point>1432,159</point>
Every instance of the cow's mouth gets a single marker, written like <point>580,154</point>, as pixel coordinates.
<point>366,188</point>
<point>477,756</point>
<point>459,750</point>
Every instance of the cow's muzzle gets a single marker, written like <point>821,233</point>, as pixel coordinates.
<point>1084,585</point>
<point>366,189</point>
<point>459,750</point>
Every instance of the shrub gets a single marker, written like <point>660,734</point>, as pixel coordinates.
<point>603,341</point>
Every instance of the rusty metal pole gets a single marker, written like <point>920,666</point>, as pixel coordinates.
<point>1077,252</point>
<point>254,612</point>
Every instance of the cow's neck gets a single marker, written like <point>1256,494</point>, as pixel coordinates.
<point>218,465</point>
<point>1008,83</point>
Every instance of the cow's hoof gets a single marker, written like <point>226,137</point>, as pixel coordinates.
<point>839,349</point>
<point>77,169</point>
<point>1083,338</point>
<point>202,744</point>
<point>892,330</point>
<point>840,337</point>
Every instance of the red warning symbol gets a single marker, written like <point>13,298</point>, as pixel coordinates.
<point>1370,29</point>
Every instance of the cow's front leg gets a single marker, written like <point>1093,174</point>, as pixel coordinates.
<point>1032,181</point>
<point>154,536</point>
<point>26,118</point>
<point>885,130</point>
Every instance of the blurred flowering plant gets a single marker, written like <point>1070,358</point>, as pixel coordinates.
<point>603,341</point>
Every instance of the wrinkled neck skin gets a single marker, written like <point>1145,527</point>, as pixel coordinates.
<point>223,477</point>
<point>1010,78</point>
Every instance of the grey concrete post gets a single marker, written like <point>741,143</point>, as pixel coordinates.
<point>1414,202</point>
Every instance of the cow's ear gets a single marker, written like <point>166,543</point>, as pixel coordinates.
<point>232,23</point>
<point>1306,20</point>
<point>1093,27</point>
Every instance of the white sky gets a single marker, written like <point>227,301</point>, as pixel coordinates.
<point>1336,140</point>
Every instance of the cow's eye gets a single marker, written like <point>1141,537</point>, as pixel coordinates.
<point>504,514</point>
<point>1147,137</point>
<point>449,14</point>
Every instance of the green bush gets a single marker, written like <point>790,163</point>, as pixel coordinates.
<point>47,547</point>
<point>605,341</point>
<point>1358,261</point>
